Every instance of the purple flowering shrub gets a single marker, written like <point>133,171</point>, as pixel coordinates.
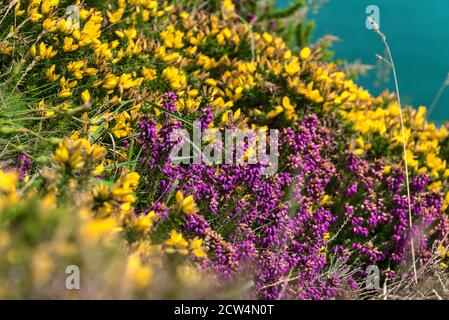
<point>283,230</point>
<point>273,227</point>
<point>375,213</point>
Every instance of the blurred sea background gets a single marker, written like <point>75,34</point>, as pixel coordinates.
<point>417,32</point>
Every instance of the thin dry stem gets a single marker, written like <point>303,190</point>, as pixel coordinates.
<point>404,143</point>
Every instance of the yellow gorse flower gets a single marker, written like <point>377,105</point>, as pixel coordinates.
<point>177,243</point>
<point>9,194</point>
<point>44,52</point>
<point>144,222</point>
<point>116,16</point>
<point>310,93</point>
<point>69,45</point>
<point>110,81</point>
<point>94,230</point>
<point>172,38</point>
<point>137,273</point>
<point>122,127</point>
<point>305,53</point>
<point>175,77</point>
<point>186,204</point>
<point>74,154</point>
<point>196,246</point>
<point>8,181</point>
<point>50,74</point>
<point>123,191</point>
<point>149,74</point>
<point>85,96</point>
<point>292,68</point>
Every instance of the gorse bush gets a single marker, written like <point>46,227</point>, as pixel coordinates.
<point>92,93</point>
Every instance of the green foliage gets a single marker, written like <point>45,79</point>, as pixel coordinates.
<point>304,32</point>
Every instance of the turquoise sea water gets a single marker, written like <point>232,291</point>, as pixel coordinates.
<point>417,32</point>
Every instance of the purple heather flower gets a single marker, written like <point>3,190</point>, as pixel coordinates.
<point>420,182</point>
<point>24,164</point>
<point>252,18</point>
<point>352,163</point>
<point>206,118</point>
<point>352,190</point>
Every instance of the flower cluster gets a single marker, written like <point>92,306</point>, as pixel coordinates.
<point>87,175</point>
